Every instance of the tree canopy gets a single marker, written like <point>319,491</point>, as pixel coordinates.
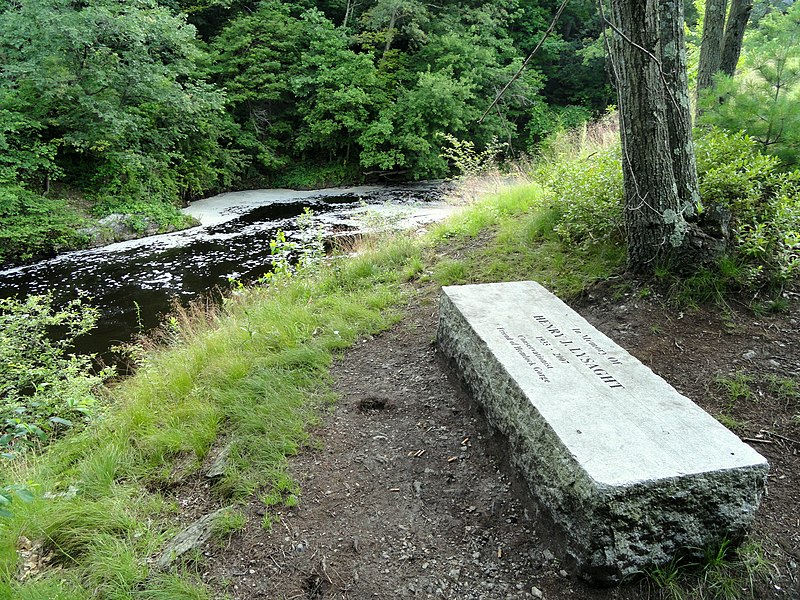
<point>179,98</point>
<point>126,104</point>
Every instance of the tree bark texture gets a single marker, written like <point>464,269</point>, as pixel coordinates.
<point>653,215</point>
<point>711,44</point>
<point>678,105</point>
<point>738,17</point>
<point>390,32</point>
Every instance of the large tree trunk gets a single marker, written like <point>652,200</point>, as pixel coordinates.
<point>711,44</point>
<point>738,17</point>
<point>648,56</point>
<point>678,106</point>
<point>653,215</point>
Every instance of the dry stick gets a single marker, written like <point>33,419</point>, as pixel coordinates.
<point>779,436</point>
<point>527,60</point>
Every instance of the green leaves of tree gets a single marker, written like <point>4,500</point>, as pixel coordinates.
<point>763,99</point>
<point>110,90</point>
<point>376,93</point>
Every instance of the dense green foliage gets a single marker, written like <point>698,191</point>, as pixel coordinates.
<point>763,98</point>
<point>31,224</point>
<point>133,107</point>
<point>586,194</point>
<point>585,191</point>
<point>43,387</point>
<point>764,202</point>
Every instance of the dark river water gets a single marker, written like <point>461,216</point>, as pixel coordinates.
<point>134,284</point>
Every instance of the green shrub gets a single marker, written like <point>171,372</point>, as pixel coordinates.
<point>141,213</point>
<point>587,192</point>
<point>32,225</point>
<point>307,176</point>
<point>43,387</point>
<point>764,203</point>
<point>466,160</point>
<point>547,120</point>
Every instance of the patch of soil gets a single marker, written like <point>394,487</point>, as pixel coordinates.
<point>408,494</point>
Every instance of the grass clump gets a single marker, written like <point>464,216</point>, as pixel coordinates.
<point>228,523</point>
<point>784,388</point>
<point>724,572</point>
<point>737,386</point>
<point>524,239</point>
<point>732,423</point>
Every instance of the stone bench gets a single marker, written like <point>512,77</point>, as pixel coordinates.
<point>633,472</point>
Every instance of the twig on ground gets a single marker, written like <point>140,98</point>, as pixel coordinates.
<point>780,437</point>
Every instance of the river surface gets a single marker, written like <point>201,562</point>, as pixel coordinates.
<point>135,283</point>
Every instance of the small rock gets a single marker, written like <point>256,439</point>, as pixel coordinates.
<point>749,355</point>
<point>219,461</point>
<point>536,592</point>
<point>194,536</point>
<point>563,573</point>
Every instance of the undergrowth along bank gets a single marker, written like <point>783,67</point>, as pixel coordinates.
<point>509,236</point>
<point>254,373</point>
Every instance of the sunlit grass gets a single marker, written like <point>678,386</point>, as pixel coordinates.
<point>521,244</point>
<point>256,371</point>
<point>724,572</point>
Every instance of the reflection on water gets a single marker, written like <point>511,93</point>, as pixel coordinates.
<point>134,283</point>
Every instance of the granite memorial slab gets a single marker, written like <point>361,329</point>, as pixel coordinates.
<point>633,472</point>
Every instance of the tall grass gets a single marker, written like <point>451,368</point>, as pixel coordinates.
<point>558,225</point>
<point>255,371</point>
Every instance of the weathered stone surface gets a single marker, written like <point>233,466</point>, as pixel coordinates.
<point>191,538</point>
<point>218,460</point>
<point>631,470</point>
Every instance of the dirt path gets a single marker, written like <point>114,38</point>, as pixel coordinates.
<point>408,495</point>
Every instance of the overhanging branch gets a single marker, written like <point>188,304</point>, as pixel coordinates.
<point>527,60</point>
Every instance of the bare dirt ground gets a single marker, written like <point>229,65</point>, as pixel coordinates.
<point>406,494</point>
